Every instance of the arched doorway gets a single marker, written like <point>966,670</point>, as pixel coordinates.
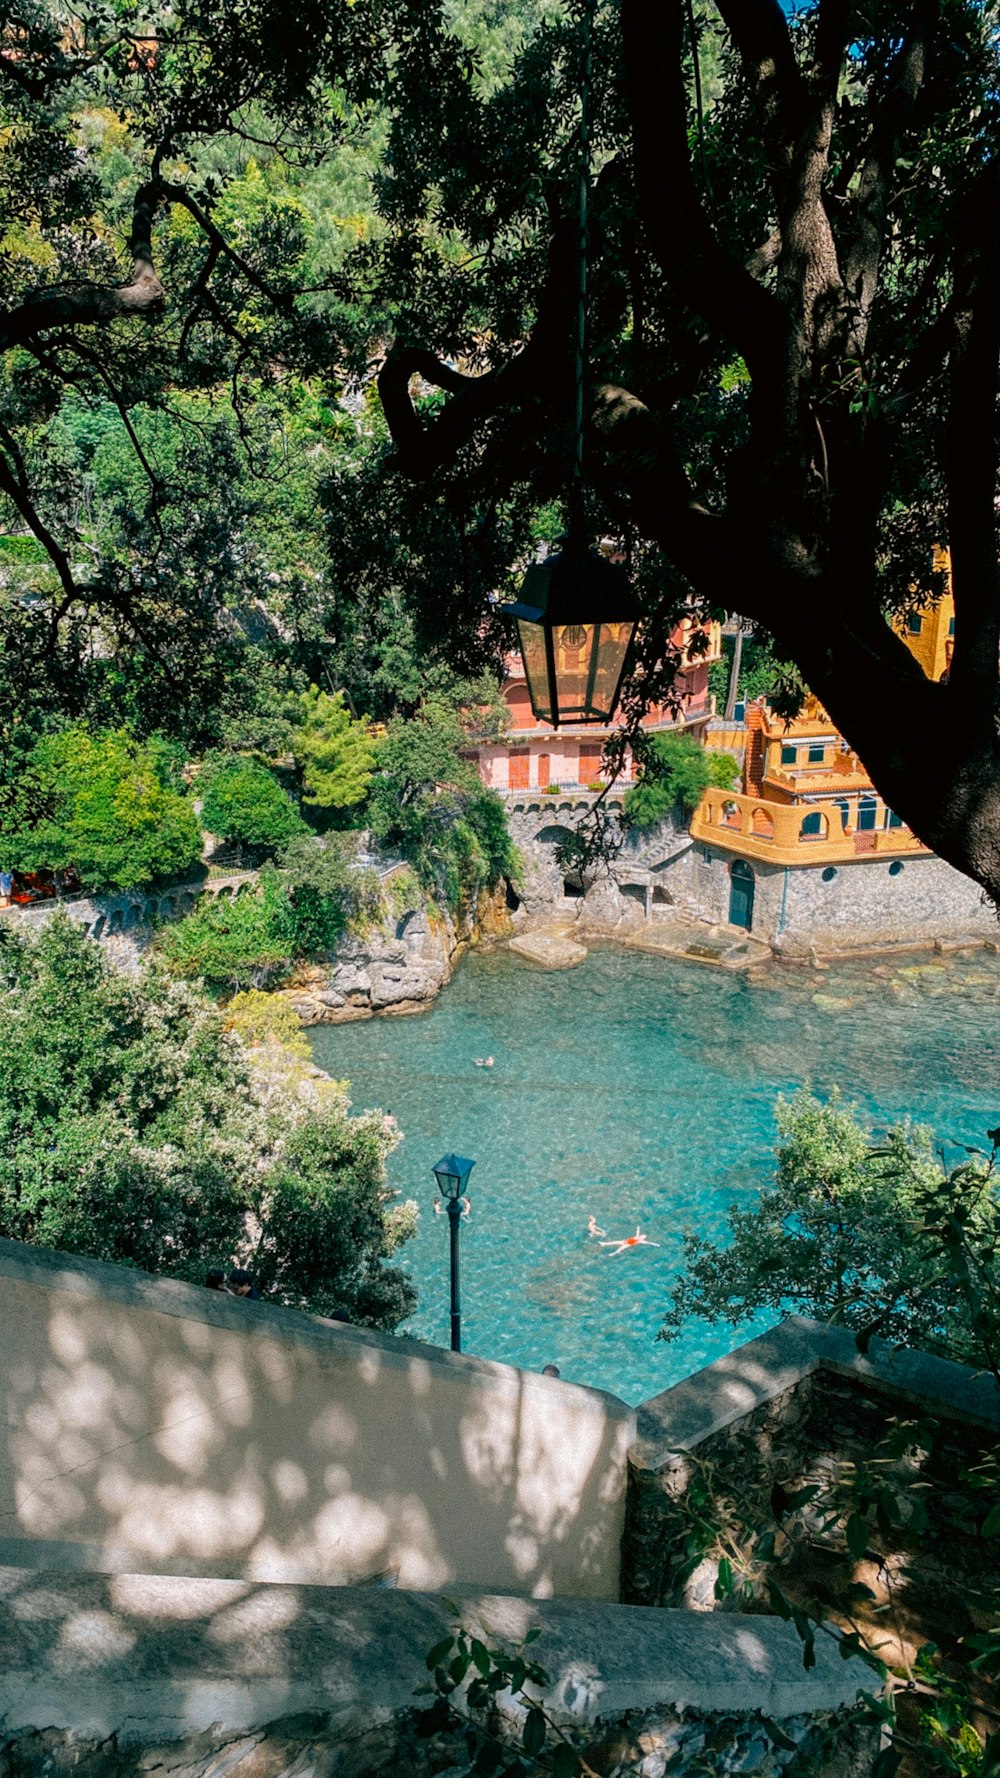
<point>741,890</point>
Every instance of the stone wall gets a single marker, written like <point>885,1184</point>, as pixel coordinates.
<point>771,1410</point>
<point>107,1677</point>
<point>152,1426</point>
<point>878,901</point>
<point>124,922</point>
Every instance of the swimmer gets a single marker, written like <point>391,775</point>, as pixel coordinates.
<point>636,1240</point>
<point>483,1061</point>
<point>594,1229</point>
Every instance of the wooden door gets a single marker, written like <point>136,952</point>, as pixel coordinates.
<point>543,771</point>
<point>517,768</point>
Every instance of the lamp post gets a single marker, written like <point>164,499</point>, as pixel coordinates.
<point>452,1172</point>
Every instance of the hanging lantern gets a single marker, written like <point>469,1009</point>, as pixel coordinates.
<point>576,619</point>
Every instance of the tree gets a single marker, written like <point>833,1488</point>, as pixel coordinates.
<point>428,800</point>
<point>108,808</point>
<point>879,1235</point>
<point>329,890</point>
<point>334,754</point>
<point>135,1128</point>
<point>676,771</point>
<point>795,334</point>
<point>245,806</point>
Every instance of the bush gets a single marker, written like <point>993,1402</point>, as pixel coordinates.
<point>328,891</point>
<point>241,942</point>
<point>677,770</point>
<point>107,806</point>
<point>244,805</point>
<point>430,803</point>
<point>135,1128</point>
<point>849,1232</point>
<point>259,1018</point>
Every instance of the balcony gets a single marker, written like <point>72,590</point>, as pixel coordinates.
<point>796,833</point>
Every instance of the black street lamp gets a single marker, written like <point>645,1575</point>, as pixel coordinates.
<point>451,1173</point>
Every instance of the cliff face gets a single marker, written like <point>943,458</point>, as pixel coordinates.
<point>396,968</point>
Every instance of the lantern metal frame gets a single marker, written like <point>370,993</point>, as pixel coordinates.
<point>577,586</point>
<point>452,1175</point>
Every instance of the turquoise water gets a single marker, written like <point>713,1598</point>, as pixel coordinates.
<point>640,1092</point>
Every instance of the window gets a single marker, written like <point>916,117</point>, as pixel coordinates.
<point>895,867</point>
<point>706,856</point>
<point>951,626</point>
<point>892,819</point>
<point>789,755</point>
<point>914,623</point>
<point>817,755</point>
<point>812,825</point>
<point>828,875</point>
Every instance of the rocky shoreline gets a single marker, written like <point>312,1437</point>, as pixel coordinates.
<point>394,969</point>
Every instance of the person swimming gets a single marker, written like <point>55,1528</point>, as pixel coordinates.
<point>483,1061</point>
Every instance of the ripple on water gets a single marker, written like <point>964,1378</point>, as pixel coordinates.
<point>641,1092</point>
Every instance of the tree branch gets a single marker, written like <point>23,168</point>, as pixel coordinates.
<point>760,33</point>
<point>713,284</point>
<point>875,183</point>
<point>971,464</point>
<point>85,304</point>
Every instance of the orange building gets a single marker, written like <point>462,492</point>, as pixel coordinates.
<point>534,756</point>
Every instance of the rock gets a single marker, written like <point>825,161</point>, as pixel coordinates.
<point>550,950</point>
<point>830,1002</point>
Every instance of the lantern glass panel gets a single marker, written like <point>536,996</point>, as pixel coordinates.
<point>533,652</point>
<point>611,649</point>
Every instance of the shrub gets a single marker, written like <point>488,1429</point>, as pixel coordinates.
<point>241,942</point>
<point>244,805</point>
<point>676,772</point>
<point>108,806</point>
<point>259,1018</point>
<point>135,1128</point>
<point>328,890</point>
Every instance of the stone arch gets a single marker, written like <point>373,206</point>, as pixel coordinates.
<point>167,908</point>
<point>634,892</point>
<point>115,922</point>
<point>762,824</point>
<point>225,893</point>
<point>98,927</point>
<point>554,835</point>
<point>662,897</point>
<point>815,825</point>
<point>149,911</point>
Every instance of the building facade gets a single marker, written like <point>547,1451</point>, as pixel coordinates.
<point>534,756</point>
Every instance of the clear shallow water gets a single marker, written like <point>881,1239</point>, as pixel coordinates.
<point>639,1091</point>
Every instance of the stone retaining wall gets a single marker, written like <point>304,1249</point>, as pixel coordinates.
<point>107,1677</point>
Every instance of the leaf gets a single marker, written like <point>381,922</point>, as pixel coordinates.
<point>459,1668</point>
<point>533,1734</point>
<point>480,1655</point>
<point>533,1635</point>
<point>724,1579</point>
<point>991,1523</point>
<point>856,1532</point>
<point>778,1601</point>
<point>991,1757</point>
<point>518,1675</point>
<point>565,1761</point>
<point>438,1652</point>
<point>887,1763</point>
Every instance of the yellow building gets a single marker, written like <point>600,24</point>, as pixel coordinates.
<point>929,634</point>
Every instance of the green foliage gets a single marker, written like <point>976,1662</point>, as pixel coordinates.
<point>761,672</point>
<point>495,1668</point>
<point>108,807</point>
<point>244,805</point>
<point>241,941</point>
<point>259,1018</point>
<point>135,1128</point>
<point>329,891</point>
<point>429,802</point>
<point>877,1235</point>
<point>334,754</point>
<point>676,771</point>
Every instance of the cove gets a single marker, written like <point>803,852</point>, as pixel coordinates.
<point>641,1092</point>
